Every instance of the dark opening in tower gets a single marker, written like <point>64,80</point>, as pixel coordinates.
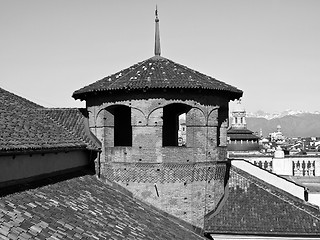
<point>174,127</point>
<point>122,125</point>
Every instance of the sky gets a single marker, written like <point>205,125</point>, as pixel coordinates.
<point>270,49</point>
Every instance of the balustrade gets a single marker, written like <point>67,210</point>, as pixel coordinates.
<point>299,167</point>
<point>267,165</point>
<point>303,168</point>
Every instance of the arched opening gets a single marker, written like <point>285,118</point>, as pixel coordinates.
<point>122,125</point>
<point>174,124</point>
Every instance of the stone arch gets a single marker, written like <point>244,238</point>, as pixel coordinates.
<point>138,117</point>
<point>155,117</point>
<point>195,117</point>
<point>116,123</point>
<point>104,118</point>
<point>213,117</point>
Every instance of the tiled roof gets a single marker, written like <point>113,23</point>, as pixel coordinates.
<point>11,102</point>
<point>256,207</point>
<point>76,121</point>
<point>85,208</point>
<point>154,73</point>
<point>25,127</point>
<point>234,133</point>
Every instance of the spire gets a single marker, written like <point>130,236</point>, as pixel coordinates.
<point>157,49</point>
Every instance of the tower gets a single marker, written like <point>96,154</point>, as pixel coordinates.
<point>239,117</point>
<point>135,114</point>
<point>241,139</point>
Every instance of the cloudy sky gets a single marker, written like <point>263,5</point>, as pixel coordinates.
<point>270,49</point>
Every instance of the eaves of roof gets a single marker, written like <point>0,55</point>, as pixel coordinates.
<point>241,133</point>
<point>242,136</point>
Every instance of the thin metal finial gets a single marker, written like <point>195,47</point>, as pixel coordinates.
<point>157,49</point>
<point>156,13</point>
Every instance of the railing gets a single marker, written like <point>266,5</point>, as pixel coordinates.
<point>299,167</point>
<point>303,168</point>
<point>267,165</point>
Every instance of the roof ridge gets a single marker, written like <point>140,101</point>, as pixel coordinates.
<point>66,129</point>
<point>258,183</point>
<point>90,140</point>
<point>25,100</point>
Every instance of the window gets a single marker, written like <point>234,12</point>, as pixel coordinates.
<point>122,125</point>
<point>174,128</point>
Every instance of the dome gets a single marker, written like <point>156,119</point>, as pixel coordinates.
<point>238,107</point>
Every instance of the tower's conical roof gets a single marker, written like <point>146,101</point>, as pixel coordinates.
<point>157,73</point>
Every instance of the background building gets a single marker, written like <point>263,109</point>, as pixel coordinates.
<point>241,139</point>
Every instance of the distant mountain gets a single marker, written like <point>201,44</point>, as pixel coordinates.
<point>266,115</point>
<point>293,124</point>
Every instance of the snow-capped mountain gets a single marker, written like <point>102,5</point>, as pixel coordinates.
<point>293,123</point>
<point>289,112</point>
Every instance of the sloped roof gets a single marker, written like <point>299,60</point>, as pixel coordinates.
<point>254,207</point>
<point>76,121</point>
<point>243,133</point>
<point>85,208</point>
<point>10,101</point>
<point>26,127</point>
<point>157,73</point>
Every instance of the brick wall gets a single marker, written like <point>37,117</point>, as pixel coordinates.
<point>185,181</point>
<point>188,191</point>
<point>147,134</point>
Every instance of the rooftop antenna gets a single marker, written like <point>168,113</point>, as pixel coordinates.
<point>157,49</point>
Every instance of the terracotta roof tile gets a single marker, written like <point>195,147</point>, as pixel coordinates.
<point>76,121</point>
<point>25,127</point>
<point>256,207</point>
<point>11,102</point>
<point>154,73</point>
<point>85,208</point>
<point>234,133</point>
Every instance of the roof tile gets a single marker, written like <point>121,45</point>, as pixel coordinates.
<point>256,207</point>
<point>153,73</point>
<point>26,126</point>
<point>76,121</point>
<point>84,207</point>
<point>235,133</point>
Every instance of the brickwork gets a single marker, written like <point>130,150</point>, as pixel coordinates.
<point>188,191</point>
<point>184,181</point>
<point>147,123</point>
<point>162,154</point>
